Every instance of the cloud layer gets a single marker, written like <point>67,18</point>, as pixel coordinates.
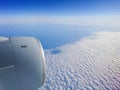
<point>92,63</point>
<point>99,20</point>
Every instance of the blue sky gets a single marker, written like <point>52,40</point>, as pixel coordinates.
<point>81,12</point>
<point>59,7</point>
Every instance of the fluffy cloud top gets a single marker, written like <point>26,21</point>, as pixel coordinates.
<point>92,63</point>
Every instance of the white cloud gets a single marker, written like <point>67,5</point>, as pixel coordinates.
<point>104,20</point>
<point>91,63</point>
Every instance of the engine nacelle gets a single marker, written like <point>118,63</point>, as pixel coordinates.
<point>22,63</point>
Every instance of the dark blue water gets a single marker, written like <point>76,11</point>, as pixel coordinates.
<point>50,35</point>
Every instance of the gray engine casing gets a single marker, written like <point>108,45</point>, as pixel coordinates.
<point>22,63</point>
